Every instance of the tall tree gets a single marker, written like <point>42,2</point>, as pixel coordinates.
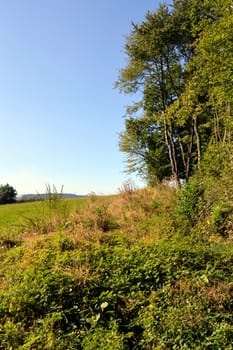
<point>155,71</point>
<point>214,68</point>
<point>176,70</point>
<point>207,97</point>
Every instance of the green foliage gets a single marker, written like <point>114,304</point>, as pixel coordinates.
<point>66,290</point>
<point>220,219</point>
<point>7,194</point>
<point>205,203</point>
<point>142,141</point>
<point>139,286</point>
<point>155,69</point>
<point>180,65</point>
<point>9,237</point>
<point>100,338</point>
<point>189,204</point>
<point>132,296</point>
<point>103,219</point>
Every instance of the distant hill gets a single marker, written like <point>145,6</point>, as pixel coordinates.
<point>34,196</point>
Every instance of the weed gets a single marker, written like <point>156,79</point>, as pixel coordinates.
<point>9,237</point>
<point>49,214</point>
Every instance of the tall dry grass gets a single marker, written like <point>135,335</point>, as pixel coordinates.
<point>138,213</point>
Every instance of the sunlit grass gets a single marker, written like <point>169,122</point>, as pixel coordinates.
<point>13,214</point>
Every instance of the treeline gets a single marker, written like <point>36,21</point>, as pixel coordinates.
<point>179,68</point>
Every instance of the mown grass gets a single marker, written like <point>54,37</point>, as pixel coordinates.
<point>113,274</point>
<point>34,218</point>
<point>12,214</point>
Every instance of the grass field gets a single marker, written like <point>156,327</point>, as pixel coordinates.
<point>13,214</point>
<point>31,217</point>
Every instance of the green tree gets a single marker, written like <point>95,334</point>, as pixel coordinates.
<point>180,66</point>
<point>214,69</point>
<point>7,194</point>
<point>154,71</point>
<point>147,154</point>
<point>157,50</point>
<point>207,98</point>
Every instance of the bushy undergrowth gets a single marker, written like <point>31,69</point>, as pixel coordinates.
<point>115,276</point>
<point>205,203</point>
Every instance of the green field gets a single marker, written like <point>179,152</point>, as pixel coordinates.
<point>40,216</point>
<point>12,214</point>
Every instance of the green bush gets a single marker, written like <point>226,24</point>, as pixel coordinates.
<point>190,202</point>
<point>220,216</point>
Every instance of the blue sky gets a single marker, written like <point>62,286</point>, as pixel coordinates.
<point>60,116</point>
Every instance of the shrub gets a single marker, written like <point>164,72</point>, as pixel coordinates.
<point>220,216</point>
<point>190,204</point>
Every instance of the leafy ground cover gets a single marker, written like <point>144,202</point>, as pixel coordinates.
<point>115,275</point>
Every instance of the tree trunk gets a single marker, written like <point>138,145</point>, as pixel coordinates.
<point>171,151</point>
<point>198,142</point>
<point>168,135</point>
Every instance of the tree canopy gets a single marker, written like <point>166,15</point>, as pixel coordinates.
<point>179,67</point>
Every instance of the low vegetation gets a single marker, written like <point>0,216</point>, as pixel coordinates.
<point>117,272</point>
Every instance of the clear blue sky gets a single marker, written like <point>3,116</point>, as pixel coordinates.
<point>60,116</point>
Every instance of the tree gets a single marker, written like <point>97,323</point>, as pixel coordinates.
<point>207,97</point>
<point>214,69</point>
<point>155,70</point>
<point>180,65</point>
<point>158,50</point>
<point>146,149</point>
<point>7,194</point>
